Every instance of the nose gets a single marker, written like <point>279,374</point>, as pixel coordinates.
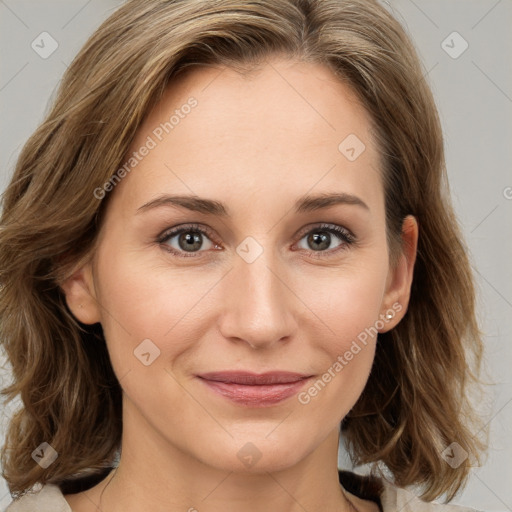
<point>259,308</point>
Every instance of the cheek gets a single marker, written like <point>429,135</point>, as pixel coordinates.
<point>140,301</point>
<point>347,302</point>
<point>348,310</point>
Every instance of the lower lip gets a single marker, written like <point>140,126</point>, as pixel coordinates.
<point>256,396</point>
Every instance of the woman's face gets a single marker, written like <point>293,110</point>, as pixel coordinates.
<point>259,280</point>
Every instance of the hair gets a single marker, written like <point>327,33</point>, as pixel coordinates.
<point>415,402</point>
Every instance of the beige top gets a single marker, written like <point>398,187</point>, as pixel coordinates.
<point>393,499</point>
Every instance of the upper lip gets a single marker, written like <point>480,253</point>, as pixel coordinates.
<point>254,379</point>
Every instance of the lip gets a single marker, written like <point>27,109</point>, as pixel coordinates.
<point>253,389</point>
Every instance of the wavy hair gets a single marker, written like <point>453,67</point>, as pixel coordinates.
<point>415,402</point>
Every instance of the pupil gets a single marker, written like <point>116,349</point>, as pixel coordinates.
<point>190,242</point>
<point>321,238</point>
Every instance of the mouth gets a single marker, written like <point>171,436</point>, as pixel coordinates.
<point>252,389</point>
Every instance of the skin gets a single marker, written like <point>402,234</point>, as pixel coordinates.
<point>256,144</point>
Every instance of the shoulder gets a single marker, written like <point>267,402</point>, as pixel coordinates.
<point>395,498</point>
<point>389,497</point>
<point>48,498</point>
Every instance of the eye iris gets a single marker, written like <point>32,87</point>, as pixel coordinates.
<point>320,237</point>
<point>190,241</point>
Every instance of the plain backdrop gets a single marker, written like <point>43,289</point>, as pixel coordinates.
<point>466,49</point>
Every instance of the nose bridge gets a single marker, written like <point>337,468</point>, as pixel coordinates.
<point>258,305</point>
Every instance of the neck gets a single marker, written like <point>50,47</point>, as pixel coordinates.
<point>156,475</point>
<point>302,487</point>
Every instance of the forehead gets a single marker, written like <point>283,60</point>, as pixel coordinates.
<point>299,98</point>
<point>284,125</point>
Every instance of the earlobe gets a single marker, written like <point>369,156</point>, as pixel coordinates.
<point>81,296</point>
<point>398,288</point>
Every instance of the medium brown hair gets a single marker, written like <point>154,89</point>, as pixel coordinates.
<point>415,402</point>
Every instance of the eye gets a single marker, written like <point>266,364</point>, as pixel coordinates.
<point>319,239</point>
<point>187,239</point>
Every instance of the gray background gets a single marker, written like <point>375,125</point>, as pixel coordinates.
<point>474,95</point>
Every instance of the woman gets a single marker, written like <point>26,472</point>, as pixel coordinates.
<point>229,241</point>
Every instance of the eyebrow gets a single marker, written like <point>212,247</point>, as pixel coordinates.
<point>304,204</point>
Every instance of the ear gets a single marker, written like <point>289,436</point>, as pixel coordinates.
<point>81,295</point>
<point>398,285</point>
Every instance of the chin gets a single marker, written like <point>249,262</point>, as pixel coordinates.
<point>255,454</point>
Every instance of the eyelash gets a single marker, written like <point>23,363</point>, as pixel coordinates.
<point>343,234</point>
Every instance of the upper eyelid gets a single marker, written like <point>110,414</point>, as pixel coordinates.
<point>323,225</point>
<point>176,230</point>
